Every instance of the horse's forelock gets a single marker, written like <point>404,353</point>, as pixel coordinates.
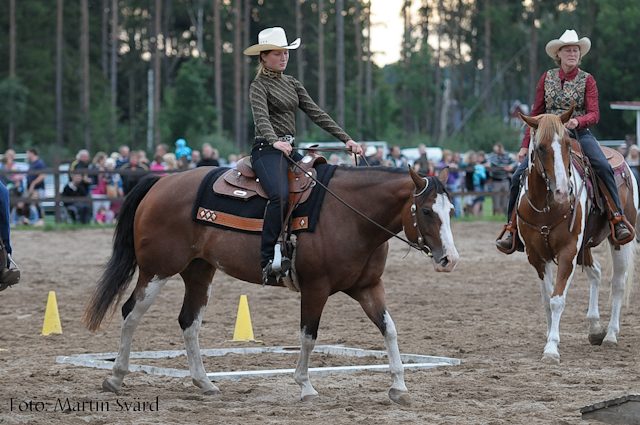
<point>548,126</point>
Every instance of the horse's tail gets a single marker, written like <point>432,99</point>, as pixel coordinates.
<point>122,265</point>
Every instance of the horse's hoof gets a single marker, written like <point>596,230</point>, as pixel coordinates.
<point>551,358</point>
<point>212,392</point>
<point>610,342</point>
<point>107,386</point>
<point>400,397</point>
<point>309,397</point>
<point>596,339</point>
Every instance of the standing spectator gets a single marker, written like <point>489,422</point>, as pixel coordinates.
<point>396,157</point>
<point>376,158</point>
<point>142,157</point>
<point>9,271</point>
<point>633,159</point>
<point>123,156</point>
<point>195,159</point>
<point>208,159</point>
<point>80,211</point>
<point>129,181</point>
<point>183,163</point>
<point>35,183</point>
<point>170,162</point>
<point>82,163</point>
<point>422,162</point>
<point>157,164</point>
<point>455,179</point>
<point>474,182</point>
<point>115,187</point>
<point>232,160</point>
<point>501,179</point>
<point>182,149</point>
<point>162,149</point>
<point>13,182</point>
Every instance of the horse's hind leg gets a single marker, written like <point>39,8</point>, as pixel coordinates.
<point>594,274</point>
<point>197,278</point>
<point>147,289</point>
<point>620,259</point>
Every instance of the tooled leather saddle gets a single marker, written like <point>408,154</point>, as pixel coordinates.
<point>242,182</point>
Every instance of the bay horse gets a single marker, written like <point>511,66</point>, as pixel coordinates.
<point>345,253</point>
<point>553,212</point>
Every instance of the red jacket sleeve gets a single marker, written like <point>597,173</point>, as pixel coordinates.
<point>591,104</point>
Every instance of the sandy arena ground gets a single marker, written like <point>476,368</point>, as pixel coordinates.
<point>487,313</point>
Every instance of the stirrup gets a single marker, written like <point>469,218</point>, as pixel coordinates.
<point>271,277</point>
<point>511,228</point>
<point>619,218</point>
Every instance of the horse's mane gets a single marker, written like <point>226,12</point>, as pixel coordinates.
<point>548,126</point>
<point>392,170</point>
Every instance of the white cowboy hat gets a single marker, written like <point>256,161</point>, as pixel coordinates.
<point>569,38</point>
<point>271,39</point>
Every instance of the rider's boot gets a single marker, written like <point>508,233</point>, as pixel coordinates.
<point>9,274</point>
<point>270,277</point>
<point>622,231</point>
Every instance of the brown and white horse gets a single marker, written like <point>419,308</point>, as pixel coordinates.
<point>346,253</point>
<point>552,225</point>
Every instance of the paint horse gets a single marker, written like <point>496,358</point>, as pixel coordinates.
<point>556,224</point>
<point>346,253</point>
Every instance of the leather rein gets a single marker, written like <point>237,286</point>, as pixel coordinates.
<point>420,246</point>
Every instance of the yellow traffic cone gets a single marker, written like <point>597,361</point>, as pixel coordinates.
<point>244,330</point>
<point>51,323</point>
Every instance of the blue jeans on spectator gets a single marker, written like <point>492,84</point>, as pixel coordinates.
<point>4,217</point>
<point>457,200</point>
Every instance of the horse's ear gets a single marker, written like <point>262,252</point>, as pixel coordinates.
<point>443,176</point>
<point>531,122</point>
<point>419,181</point>
<point>567,115</point>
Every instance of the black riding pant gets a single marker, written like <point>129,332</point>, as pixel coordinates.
<point>598,161</point>
<point>270,166</point>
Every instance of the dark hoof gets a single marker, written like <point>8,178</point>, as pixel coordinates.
<point>109,387</point>
<point>596,339</point>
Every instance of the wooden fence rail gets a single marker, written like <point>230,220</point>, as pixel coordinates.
<point>58,200</point>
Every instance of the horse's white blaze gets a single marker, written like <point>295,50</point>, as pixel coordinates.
<point>443,207</point>
<point>562,180</point>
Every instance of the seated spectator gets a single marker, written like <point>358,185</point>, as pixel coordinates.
<point>104,216</point>
<point>129,181</point>
<point>26,214</point>
<point>82,163</point>
<point>422,161</point>
<point>208,159</point>
<point>474,182</point>
<point>80,211</point>
<point>183,163</point>
<point>123,156</point>
<point>233,160</point>
<point>377,158</point>
<point>114,187</point>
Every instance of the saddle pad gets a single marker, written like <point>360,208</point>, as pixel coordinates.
<point>247,215</point>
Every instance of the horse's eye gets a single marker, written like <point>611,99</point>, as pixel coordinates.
<point>543,149</point>
<point>426,212</point>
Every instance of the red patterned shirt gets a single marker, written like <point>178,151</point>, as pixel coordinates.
<point>592,115</point>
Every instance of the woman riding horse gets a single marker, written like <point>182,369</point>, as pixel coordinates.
<point>274,98</point>
<point>557,91</point>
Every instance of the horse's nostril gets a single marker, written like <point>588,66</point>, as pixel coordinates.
<point>445,262</point>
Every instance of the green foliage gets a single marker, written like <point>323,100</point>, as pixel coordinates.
<point>13,101</point>
<point>189,112</point>
<point>483,132</point>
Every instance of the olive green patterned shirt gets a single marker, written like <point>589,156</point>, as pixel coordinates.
<point>274,102</point>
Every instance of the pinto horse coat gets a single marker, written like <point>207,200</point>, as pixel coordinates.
<point>346,253</point>
<point>552,225</point>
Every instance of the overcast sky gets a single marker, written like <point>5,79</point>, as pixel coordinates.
<point>387,28</point>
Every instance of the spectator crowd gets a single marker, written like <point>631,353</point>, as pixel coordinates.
<point>470,175</point>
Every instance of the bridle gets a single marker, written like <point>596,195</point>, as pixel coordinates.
<point>420,246</point>
<point>545,230</point>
